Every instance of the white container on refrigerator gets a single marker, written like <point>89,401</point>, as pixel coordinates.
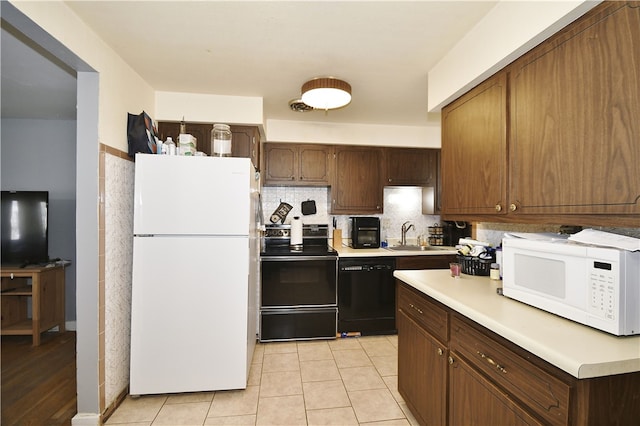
<point>195,274</point>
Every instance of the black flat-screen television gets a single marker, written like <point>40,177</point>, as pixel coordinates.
<point>24,217</point>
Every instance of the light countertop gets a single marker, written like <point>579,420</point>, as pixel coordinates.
<point>346,251</point>
<point>579,350</point>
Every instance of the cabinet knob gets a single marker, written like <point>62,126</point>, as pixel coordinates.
<point>498,208</point>
<point>513,207</point>
<point>440,351</point>
<point>450,360</point>
<point>390,179</point>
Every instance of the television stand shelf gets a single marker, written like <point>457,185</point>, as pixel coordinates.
<point>45,287</point>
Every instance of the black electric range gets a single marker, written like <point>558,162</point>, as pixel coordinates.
<point>298,285</point>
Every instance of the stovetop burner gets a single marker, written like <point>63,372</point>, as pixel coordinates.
<point>303,251</point>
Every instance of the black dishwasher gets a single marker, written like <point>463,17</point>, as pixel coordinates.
<point>366,296</point>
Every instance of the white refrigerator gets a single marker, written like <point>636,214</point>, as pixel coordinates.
<point>195,273</point>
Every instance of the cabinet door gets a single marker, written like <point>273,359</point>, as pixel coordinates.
<point>422,372</point>
<point>168,129</point>
<point>357,187</point>
<point>200,131</point>
<point>474,150</point>
<point>281,163</point>
<point>473,400</point>
<point>408,166</point>
<point>575,109</point>
<point>314,164</point>
<point>245,143</point>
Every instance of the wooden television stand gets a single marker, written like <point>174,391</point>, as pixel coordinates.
<point>47,300</point>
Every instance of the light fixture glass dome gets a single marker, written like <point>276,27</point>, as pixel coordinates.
<point>326,93</point>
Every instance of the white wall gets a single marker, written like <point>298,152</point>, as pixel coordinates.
<point>427,136</point>
<point>39,155</point>
<point>173,106</point>
<point>510,29</point>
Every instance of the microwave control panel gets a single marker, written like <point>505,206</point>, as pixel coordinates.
<point>602,290</point>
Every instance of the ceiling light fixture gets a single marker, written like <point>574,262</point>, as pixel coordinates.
<point>326,93</point>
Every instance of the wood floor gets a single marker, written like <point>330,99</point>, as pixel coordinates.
<point>39,384</point>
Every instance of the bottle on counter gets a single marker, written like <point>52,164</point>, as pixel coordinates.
<point>171,146</point>
<point>494,272</point>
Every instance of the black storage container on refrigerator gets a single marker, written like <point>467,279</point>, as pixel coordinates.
<point>366,296</point>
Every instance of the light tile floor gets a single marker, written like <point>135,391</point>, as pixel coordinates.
<point>351,381</point>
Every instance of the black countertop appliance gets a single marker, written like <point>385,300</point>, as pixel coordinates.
<point>453,231</point>
<point>365,232</point>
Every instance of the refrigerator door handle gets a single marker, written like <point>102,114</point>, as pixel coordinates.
<point>259,214</point>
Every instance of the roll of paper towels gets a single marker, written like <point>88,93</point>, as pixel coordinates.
<point>296,231</point>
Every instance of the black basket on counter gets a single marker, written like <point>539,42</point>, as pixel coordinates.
<point>472,265</point>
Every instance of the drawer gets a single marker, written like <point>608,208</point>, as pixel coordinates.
<point>425,312</point>
<point>298,324</point>
<point>545,395</point>
<point>425,262</point>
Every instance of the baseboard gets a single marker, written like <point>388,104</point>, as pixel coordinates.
<point>115,404</point>
<point>86,419</point>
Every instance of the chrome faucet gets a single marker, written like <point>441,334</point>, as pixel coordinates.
<point>405,229</point>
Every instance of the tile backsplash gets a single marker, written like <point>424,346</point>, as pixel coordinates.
<point>493,232</point>
<point>401,204</point>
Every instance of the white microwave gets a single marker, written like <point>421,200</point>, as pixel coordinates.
<point>595,286</point>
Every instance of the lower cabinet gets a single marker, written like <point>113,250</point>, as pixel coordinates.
<point>475,400</point>
<point>422,371</point>
<point>453,371</point>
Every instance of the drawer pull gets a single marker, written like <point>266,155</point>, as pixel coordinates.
<point>414,307</point>
<point>492,362</point>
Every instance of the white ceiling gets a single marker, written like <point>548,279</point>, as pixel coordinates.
<point>268,49</point>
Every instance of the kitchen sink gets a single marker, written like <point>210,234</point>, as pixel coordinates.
<point>416,248</point>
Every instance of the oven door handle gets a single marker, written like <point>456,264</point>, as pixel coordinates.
<point>290,258</point>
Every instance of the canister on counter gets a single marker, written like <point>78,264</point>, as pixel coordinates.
<point>221,140</point>
<point>494,272</point>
